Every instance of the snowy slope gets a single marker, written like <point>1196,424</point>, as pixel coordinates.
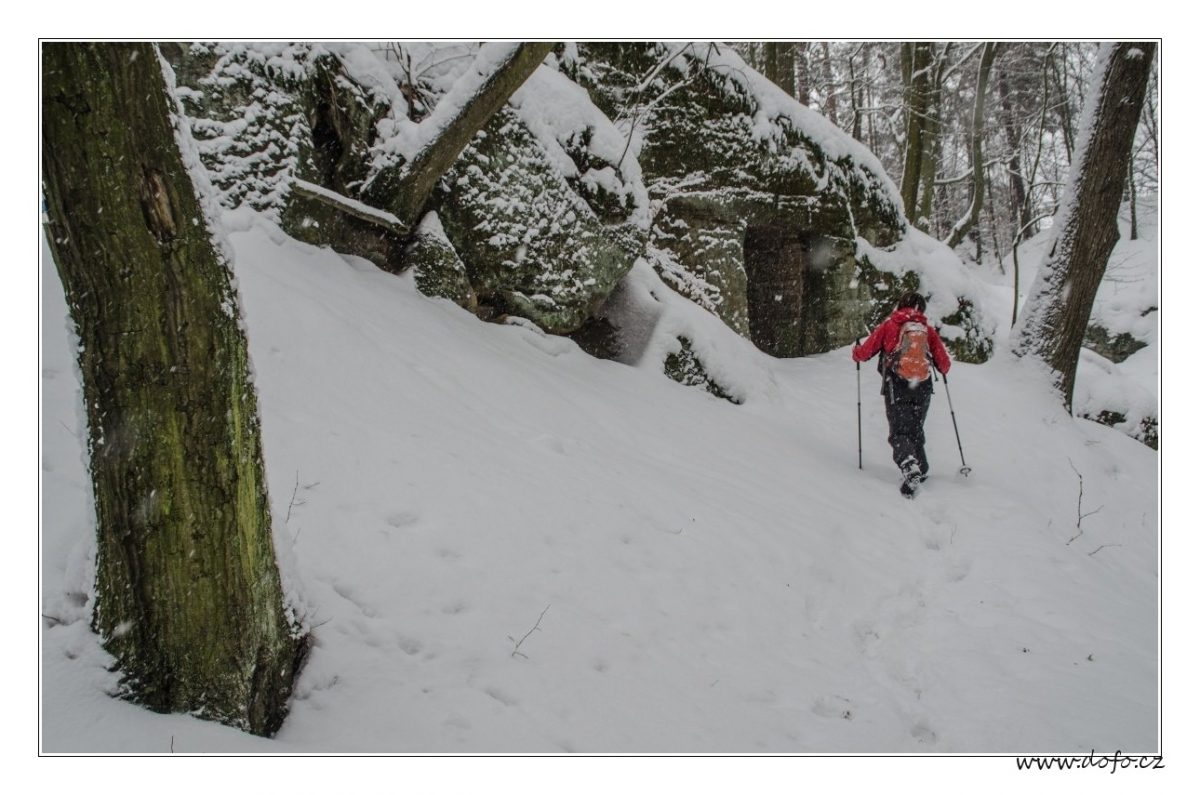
<point>1127,302</point>
<point>708,577</point>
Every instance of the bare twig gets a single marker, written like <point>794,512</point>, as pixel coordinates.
<point>1079,514</point>
<point>293,503</point>
<point>516,652</point>
<point>1102,546</point>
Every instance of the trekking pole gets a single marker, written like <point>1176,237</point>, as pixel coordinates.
<point>858,372</point>
<point>966,470</point>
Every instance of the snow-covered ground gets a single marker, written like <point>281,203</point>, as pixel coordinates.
<point>505,545</point>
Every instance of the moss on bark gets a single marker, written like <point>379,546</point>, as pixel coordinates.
<point>188,594</point>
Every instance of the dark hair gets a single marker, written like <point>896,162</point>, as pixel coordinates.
<point>910,300</point>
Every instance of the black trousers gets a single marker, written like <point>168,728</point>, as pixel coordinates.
<point>906,407</point>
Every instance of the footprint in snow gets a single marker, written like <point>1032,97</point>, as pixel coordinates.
<point>408,645</point>
<point>923,734</point>
<point>501,696</point>
<point>833,707</point>
<point>456,607</point>
<point>403,518</point>
<point>348,594</point>
<point>958,570</point>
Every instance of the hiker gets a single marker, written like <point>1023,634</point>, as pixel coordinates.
<point>907,343</point>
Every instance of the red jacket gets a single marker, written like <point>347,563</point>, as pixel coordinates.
<point>886,337</point>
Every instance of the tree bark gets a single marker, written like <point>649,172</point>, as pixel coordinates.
<point>1018,200</point>
<point>915,64</point>
<point>1056,313</point>
<point>781,65</point>
<point>856,100</point>
<point>803,81</point>
<point>932,139</point>
<point>968,221</point>
<point>1064,106</point>
<point>188,594</point>
<point>1150,114</point>
<point>1133,229</point>
<point>831,103</point>
<point>404,190</point>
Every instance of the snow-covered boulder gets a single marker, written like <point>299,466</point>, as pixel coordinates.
<point>764,210</point>
<point>437,269</point>
<point>532,246</point>
<point>748,204</point>
<point>541,210</point>
<point>266,115</point>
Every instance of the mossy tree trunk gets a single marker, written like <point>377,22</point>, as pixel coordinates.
<point>1054,321</point>
<point>188,594</point>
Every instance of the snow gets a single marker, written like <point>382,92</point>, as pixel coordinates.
<point>942,273</point>
<point>1047,288</point>
<point>556,110</point>
<point>1127,302</point>
<point>401,138</point>
<point>709,578</point>
<point>773,103</point>
<point>346,201</point>
<point>206,192</point>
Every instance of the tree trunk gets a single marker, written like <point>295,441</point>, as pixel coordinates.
<point>932,135</point>
<point>1064,106</point>
<point>831,103</point>
<point>403,191</point>
<point>803,81</point>
<point>993,223</point>
<point>1060,303</point>
<point>856,100</point>
<point>780,67</point>
<point>188,595</point>
<point>968,221</point>
<point>915,64</point>
<point>1150,114</point>
<point>1133,230</point>
<point>1018,199</point>
<point>770,68</point>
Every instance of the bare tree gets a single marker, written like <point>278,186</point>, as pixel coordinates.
<point>1056,314</point>
<point>971,218</point>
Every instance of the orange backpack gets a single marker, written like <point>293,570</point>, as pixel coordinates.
<point>910,360</point>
